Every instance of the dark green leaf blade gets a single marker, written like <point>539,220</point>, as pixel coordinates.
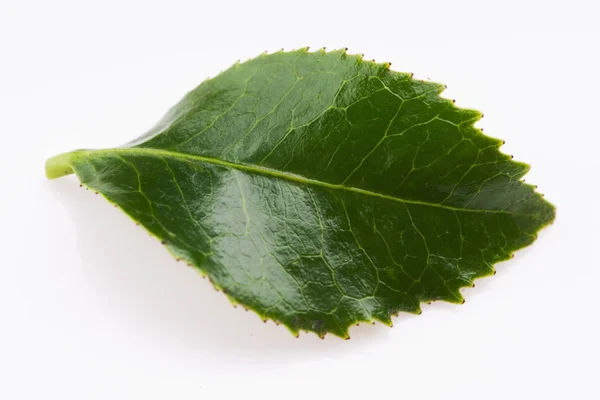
<point>321,190</point>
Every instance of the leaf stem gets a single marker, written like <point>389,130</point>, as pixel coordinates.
<point>60,165</point>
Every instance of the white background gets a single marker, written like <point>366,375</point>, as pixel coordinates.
<point>92,307</point>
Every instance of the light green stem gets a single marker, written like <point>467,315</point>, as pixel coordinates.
<point>60,165</point>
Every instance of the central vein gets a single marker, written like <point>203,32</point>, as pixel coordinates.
<point>256,169</point>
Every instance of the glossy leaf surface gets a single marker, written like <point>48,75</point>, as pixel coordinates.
<point>321,190</point>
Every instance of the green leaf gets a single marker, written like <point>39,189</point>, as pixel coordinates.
<point>321,190</point>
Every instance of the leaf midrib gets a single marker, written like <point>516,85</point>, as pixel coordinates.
<point>273,173</point>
